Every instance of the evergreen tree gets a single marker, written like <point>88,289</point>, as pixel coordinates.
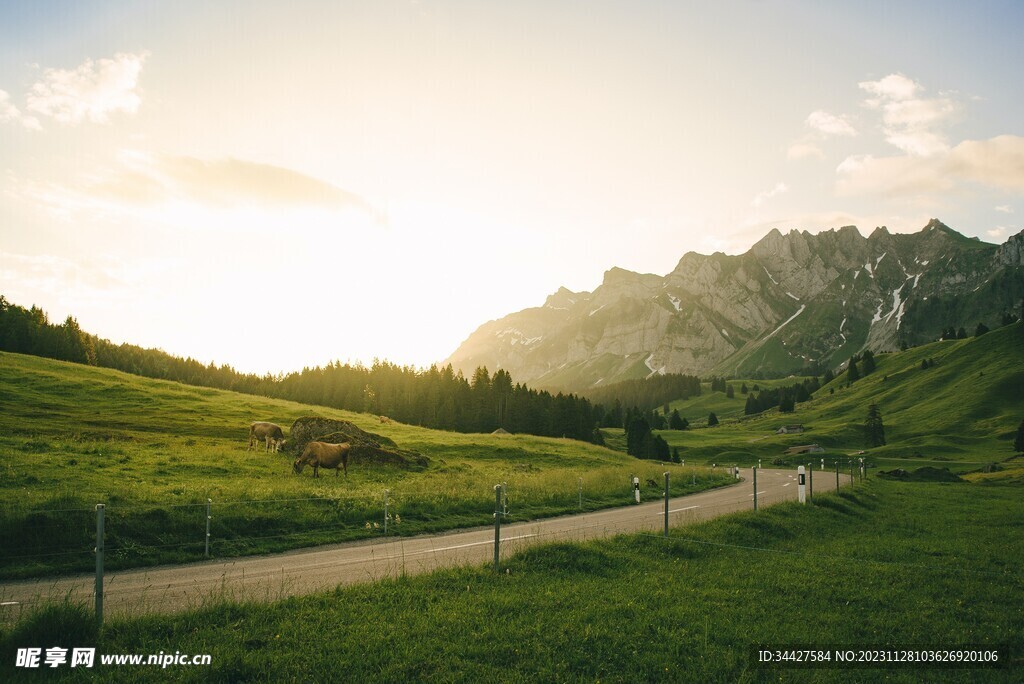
<point>675,421</point>
<point>787,405</point>
<point>867,363</point>
<point>751,408</point>
<point>828,377</point>
<point>743,388</point>
<point>1018,441</point>
<point>676,458</point>
<point>961,334</point>
<point>729,391</point>
<point>874,431</point>
<point>712,419</point>
<point>980,330</point>
<point>852,374</point>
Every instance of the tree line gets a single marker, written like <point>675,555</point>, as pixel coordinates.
<point>438,398</point>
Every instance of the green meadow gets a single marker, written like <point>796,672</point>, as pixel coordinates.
<point>884,564</point>
<point>961,413</point>
<point>153,452</point>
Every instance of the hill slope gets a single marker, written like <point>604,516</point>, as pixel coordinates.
<point>965,407</point>
<point>154,451</point>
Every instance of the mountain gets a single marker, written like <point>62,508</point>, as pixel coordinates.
<point>793,302</point>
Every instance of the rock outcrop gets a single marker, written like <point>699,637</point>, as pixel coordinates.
<point>794,301</point>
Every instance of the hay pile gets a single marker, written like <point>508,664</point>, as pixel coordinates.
<point>367,447</point>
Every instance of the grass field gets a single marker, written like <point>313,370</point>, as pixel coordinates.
<point>961,413</point>
<point>153,452</point>
<point>887,563</point>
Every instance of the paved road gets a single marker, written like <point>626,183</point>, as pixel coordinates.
<point>179,587</point>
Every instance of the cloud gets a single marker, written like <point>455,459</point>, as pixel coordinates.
<point>762,197</point>
<point>909,122</point>
<point>1004,208</point>
<point>997,162</point>
<point>823,125</point>
<point>998,232</point>
<point>804,150</point>
<point>178,188</point>
<point>8,112</point>
<point>151,179</point>
<point>892,87</point>
<point>90,92</point>
<point>830,124</point>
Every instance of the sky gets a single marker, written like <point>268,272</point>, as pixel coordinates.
<point>279,185</point>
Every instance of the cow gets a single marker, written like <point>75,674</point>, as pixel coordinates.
<point>323,455</point>
<point>385,420</point>
<point>271,435</point>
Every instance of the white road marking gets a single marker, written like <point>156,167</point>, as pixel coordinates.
<point>676,510</point>
<point>787,484</point>
<point>10,603</point>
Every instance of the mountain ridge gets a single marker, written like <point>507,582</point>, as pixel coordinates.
<point>793,302</point>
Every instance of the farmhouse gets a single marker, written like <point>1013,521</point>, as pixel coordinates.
<point>805,449</point>
<point>790,430</point>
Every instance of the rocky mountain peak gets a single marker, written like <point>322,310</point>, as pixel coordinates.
<point>794,302</point>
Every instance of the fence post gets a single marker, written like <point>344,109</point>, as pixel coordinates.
<point>208,516</point>
<point>666,503</point>
<point>497,524</point>
<point>810,480</point>
<point>99,563</point>
<point>755,487</point>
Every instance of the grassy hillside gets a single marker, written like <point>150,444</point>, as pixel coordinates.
<point>961,412</point>
<point>696,409</point>
<point>153,451</point>
<point>844,571</point>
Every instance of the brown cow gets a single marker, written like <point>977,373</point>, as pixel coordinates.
<point>323,455</point>
<point>271,435</point>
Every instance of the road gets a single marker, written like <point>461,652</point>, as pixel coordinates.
<point>174,588</point>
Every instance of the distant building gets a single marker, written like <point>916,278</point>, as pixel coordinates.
<point>805,449</point>
<point>790,430</point>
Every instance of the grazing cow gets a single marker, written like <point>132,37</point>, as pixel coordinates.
<point>271,435</point>
<point>385,420</point>
<point>323,455</point>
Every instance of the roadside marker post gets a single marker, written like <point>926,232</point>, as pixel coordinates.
<point>810,480</point>
<point>636,489</point>
<point>801,484</point>
<point>387,492</point>
<point>208,517</point>
<point>666,503</point>
<point>755,488</point>
<point>837,474</point>
<point>497,525</point>
<point>99,563</point>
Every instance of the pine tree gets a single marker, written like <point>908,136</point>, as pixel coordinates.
<point>867,361</point>
<point>743,388</point>
<point>828,377</point>
<point>874,431</point>
<point>712,419</point>
<point>980,330</point>
<point>675,421</point>
<point>676,458</point>
<point>751,408</point>
<point>729,392</point>
<point>961,333</point>
<point>1018,442</point>
<point>852,374</point>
